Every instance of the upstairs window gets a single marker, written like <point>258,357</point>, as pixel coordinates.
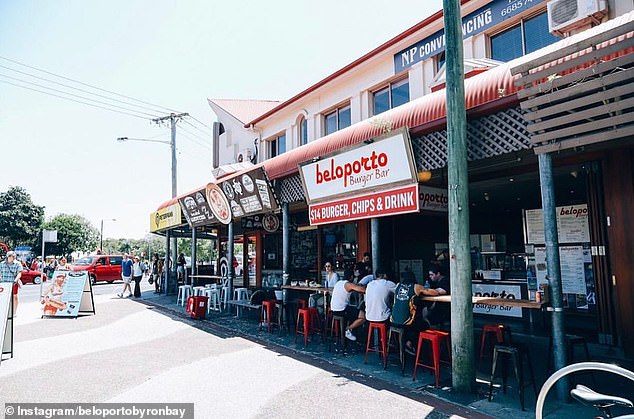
<point>303,131</point>
<point>530,35</point>
<point>277,145</point>
<point>337,119</point>
<point>395,94</point>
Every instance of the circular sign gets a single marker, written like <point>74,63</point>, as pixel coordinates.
<point>228,190</point>
<point>248,183</point>
<point>271,223</point>
<point>218,203</point>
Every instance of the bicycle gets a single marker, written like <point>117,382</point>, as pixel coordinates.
<point>585,395</point>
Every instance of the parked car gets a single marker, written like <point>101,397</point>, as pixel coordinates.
<point>29,276</point>
<point>101,268</point>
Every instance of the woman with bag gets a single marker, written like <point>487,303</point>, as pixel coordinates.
<point>137,274</point>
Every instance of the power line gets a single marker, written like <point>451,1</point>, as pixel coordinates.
<point>78,96</point>
<point>88,85</point>
<point>201,123</point>
<point>73,100</point>
<point>202,144</point>
<point>76,88</point>
<point>196,128</point>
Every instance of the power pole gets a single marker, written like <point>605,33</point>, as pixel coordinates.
<point>173,119</point>
<point>462,347</point>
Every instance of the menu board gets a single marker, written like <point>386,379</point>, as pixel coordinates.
<point>196,209</point>
<point>6,323</point>
<point>64,295</point>
<point>249,193</point>
<point>572,224</point>
<point>573,261</point>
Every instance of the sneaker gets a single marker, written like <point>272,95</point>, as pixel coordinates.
<point>350,336</point>
<point>120,295</point>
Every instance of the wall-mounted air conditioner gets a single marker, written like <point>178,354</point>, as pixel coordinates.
<point>244,156</point>
<point>565,15</point>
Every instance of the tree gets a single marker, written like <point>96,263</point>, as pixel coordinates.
<point>74,233</point>
<point>20,219</point>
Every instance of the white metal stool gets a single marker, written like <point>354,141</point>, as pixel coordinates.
<point>184,292</point>
<point>224,295</point>
<point>240,294</point>
<point>214,299</point>
<point>199,290</point>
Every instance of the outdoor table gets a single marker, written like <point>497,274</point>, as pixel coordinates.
<point>243,304</point>
<point>216,278</point>
<point>313,289</point>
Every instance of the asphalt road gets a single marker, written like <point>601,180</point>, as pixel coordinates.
<point>129,352</point>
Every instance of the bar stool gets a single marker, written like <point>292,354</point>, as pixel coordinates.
<point>337,331</point>
<point>497,331</point>
<point>572,341</point>
<point>266,313</point>
<point>308,318</point>
<point>214,299</point>
<point>381,327</point>
<point>435,338</point>
<point>184,292</point>
<point>199,290</point>
<point>399,334</point>
<point>224,295</point>
<point>518,354</point>
<point>240,294</point>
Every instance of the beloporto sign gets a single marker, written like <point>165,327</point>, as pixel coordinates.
<point>472,24</point>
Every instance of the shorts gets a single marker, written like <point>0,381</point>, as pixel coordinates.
<point>351,313</point>
<point>126,279</point>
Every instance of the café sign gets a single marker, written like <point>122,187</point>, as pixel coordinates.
<point>169,216</point>
<point>196,209</point>
<point>395,201</point>
<point>378,164</point>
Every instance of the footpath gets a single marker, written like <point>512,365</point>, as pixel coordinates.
<point>351,365</point>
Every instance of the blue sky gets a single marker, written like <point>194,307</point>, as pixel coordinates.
<point>175,54</point>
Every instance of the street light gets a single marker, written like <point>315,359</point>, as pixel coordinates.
<point>101,235</point>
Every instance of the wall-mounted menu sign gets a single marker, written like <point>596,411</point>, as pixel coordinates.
<point>196,209</point>
<point>572,224</point>
<point>249,193</point>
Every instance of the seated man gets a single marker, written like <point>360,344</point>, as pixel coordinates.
<point>340,305</point>
<point>378,297</point>
<point>438,313</point>
<point>407,311</point>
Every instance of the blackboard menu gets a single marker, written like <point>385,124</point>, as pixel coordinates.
<point>249,193</point>
<point>196,209</point>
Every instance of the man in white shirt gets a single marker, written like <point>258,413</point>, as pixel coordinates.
<point>379,295</point>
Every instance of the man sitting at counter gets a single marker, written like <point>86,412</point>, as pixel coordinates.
<point>378,297</point>
<point>340,305</point>
<point>437,313</point>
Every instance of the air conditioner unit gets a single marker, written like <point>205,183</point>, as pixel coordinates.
<point>565,15</point>
<point>244,156</point>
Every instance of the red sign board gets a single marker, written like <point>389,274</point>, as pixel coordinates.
<point>392,202</point>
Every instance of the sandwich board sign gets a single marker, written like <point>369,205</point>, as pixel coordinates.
<point>6,319</point>
<point>69,294</point>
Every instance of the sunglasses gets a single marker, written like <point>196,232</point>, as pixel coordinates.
<point>328,266</point>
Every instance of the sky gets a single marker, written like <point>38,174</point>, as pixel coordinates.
<point>172,56</point>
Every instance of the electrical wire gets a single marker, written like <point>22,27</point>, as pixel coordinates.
<point>88,85</point>
<point>203,139</point>
<point>199,143</point>
<point>201,123</point>
<point>195,127</point>
<point>78,96</point>
<point>75,88</point>
<point>73,100</point>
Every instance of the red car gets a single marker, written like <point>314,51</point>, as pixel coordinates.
<point>29,276</point>
<point>101,268</point>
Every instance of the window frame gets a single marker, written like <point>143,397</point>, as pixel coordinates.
<point>521,25</point>
<point>302,130</point>
<point>389,87</point>
<point>337,110</point>
<point>274,145</point>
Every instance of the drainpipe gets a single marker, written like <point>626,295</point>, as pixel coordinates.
<point>376,247</point>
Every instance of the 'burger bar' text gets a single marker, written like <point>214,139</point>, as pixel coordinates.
<point>370,166</point>
<point>397,201</point>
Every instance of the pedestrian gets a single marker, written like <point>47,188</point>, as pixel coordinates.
<point>180,268</point>
<point>156,272</point>
<point>62,265</point>
<point>138,268</point>
<point>10,272</point>
<point>126,275</point>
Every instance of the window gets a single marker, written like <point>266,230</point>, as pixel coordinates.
<point>303,131</point>
<point>530,35</point>
<point>116,260</point>
<point>337,119</point>
<point>439,61</point>
<point>277,145</point>
<point>391,96</point>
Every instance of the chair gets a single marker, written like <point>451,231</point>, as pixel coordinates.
<point>498,332</point>
<point>337,331</point>
<point>517,354</point>
<point>308,319</point>
<point>184,292</point>
<point>381,327</point>
<point>240,294</point>
<point>213,294</point>
<point>399,334</point>
<point>197,291</point>
<point>434,338</point>
<point>267,312</point>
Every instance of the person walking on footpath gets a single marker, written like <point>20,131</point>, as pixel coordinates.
<point>10,272</point>
<point>137,274</point>
<point>180,268</point>
<point>126,275</point>
<point>156,267</point>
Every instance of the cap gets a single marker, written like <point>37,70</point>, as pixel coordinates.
<point>10,253</point>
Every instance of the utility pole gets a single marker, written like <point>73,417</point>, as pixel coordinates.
<point>462,347</point>
<point>173,119</point>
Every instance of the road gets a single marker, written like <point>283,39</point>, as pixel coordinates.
<point>129,352</point>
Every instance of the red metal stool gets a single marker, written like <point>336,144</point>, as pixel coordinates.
<point>498,331</point>
<point>382,350</point>
<point>308,318</point>
<point>267,312</point>
<point>435,338</point>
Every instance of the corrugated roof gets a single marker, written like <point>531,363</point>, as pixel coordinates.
<point>244,110</point>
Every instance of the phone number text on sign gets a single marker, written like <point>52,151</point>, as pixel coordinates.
<point>380,204</point>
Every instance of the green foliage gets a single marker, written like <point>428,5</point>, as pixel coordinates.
<point>20,219</point>
<point>74,233</point>
<point>149,245</point>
